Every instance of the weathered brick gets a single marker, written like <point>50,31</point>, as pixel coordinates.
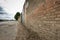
<point>43,17</point>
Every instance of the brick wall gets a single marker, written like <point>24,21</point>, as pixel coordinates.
<point>44,18</point>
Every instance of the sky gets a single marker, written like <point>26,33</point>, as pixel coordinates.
<point>12,6</point>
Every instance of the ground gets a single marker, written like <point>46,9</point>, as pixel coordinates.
<point>8,30</point>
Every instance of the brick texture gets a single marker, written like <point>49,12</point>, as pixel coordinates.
<point>44,19</point>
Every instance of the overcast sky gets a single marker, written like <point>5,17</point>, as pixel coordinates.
<point>12,6</point>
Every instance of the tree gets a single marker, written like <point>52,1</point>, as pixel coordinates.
<point>17,15</point>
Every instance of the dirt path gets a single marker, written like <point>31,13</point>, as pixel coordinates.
<point>8,30</point>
